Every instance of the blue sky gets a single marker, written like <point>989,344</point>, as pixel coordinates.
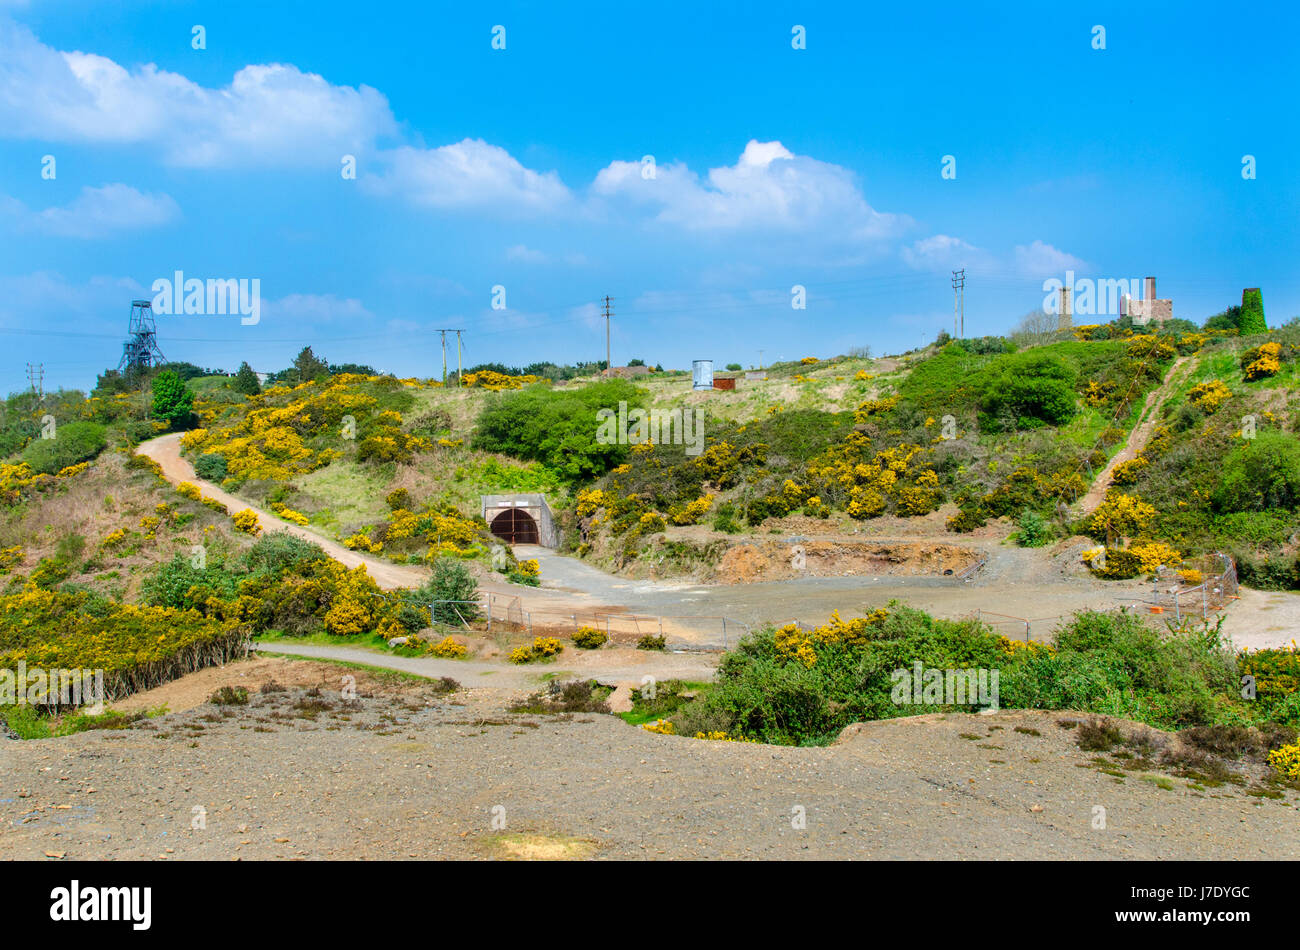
<point>523,168</point>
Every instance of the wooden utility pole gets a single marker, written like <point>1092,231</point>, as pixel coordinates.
<point>460,369</point>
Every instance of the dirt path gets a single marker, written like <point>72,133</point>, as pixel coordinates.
<point>613,667</point>
<point>561,606</point>
<point>166,451</point>
<point>1139,437</point>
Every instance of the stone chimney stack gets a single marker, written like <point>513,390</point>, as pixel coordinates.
<point>1149,294</point>
<point>1065,318</point>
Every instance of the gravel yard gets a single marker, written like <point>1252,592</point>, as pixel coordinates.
<point>405,771</point>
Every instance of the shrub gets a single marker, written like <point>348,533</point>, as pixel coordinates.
<point>449,648</point>
<point>230,696</point>
<point>1262,361</point>
<point>542,648</point>
<point>451,592</point>
<point>1035,530</point>
<point>725,519</point>
<point>559,429</point>
<point>1286,760</point>
<point>246,521</point>
<point>1260,475</point>
<point>1024,391</point>
<point>72,442</point>
<point>589,638</point>
<point>651,642</point>
<point>211,467</point>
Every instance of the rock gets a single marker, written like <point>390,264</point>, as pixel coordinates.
<point>397,641</point>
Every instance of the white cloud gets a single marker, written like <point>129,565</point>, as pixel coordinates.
<point>521,252</point>
<point>269,114</point>
<point>100,212</point>
<point>942,252</point>
<point>769,188</point>
<point>1043,260</point>
<point>316,308</point>
<point>465,175</point>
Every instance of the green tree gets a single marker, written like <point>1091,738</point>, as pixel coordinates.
<point>246,381</point>
<point>1252,312</point>
<point>453,584</point>
<point>173,403</point>
<point>307,366</point>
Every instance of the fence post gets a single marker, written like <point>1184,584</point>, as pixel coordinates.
<point>606,626</point>
<point>529,616</point>
<point>1205,601</point>
<point>1026,631</point>
<point>724,633</point>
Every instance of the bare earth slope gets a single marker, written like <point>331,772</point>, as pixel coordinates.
<point>419,775</point>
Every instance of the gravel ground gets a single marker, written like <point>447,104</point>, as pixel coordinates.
<point>406,772</point>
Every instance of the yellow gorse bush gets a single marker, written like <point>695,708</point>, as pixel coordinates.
<point>692,512</point>
<point>1122,514</point>
<point>10,558</point>
<point>796,644</point>
<point>1266,361</point>
<point>1286,760</point>
<point>288,514</point>
<point>449,649</point>
<point>1209,396</point>
<point>487,379</point>
<point>246,521</point>
<point>542,648</point>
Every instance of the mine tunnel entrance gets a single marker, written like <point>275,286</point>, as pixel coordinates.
<point>515,526</point>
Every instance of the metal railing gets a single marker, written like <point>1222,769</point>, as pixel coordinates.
<point>1212,594</point>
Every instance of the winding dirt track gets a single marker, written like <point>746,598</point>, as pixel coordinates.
<point>166,451</point>
<point>560,606</point>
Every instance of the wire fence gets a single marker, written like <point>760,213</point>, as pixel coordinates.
<point>1181,593</point>
<point>503,612</point>
<point>1189,593</point>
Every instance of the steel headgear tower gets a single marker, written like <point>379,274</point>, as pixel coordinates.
<point>140,350</point>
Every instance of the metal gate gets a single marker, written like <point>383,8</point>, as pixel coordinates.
<point>515,526</point>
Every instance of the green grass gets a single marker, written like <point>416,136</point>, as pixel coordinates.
<point>350,493</point>
<point>28,722</point>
